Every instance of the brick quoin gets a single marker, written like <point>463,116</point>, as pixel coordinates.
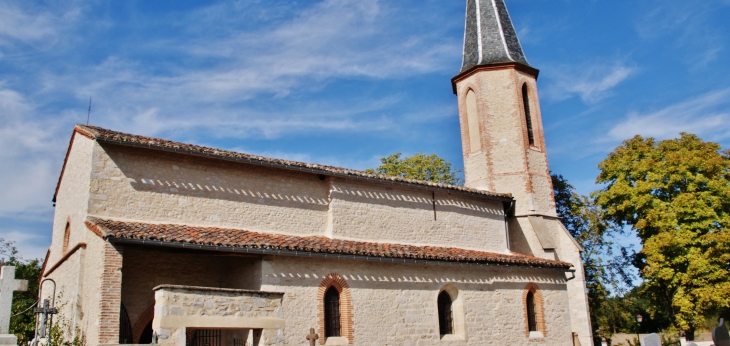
<point>539,309</point>
<point>339,283</point>
<point>111,295</point>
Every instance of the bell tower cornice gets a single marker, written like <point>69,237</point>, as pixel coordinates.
<point>492,67</point>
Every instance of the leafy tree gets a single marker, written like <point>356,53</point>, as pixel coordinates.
<point>420,167</point>
<point>22,321</point>
<point>676,195</point>
<point>605,272</point>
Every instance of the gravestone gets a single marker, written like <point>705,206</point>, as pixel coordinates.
<point>312,337</point>
<point>691,344</point>
<point>8,285</point>
<point>652,340</point>
<point>720,335</point>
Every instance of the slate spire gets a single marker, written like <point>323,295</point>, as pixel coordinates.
<point>489,36</point>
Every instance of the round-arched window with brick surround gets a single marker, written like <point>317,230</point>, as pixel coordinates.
<point>335,301</point>
<point>332,313</point>
<point>534,312</point>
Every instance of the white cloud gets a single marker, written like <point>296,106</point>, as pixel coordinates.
<point>591,83</point>
<point>707,115</point>
<point>21,24</point>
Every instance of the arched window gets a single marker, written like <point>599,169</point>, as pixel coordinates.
<point>446,316</point>
<point>472,118</point>
<point>66,236</point>
<point>531,315</point>
<point>528,117</point>
<point>332,313</point>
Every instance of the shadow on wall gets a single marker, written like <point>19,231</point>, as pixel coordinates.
<point>190,176</point>
<point>412,276</point>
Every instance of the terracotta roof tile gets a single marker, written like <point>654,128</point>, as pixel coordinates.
<point>237,238</point>
<point>101,134</point>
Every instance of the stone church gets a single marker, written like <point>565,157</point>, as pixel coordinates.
<point>190,245</point>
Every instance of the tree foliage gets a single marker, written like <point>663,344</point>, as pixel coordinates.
<point>676,195</point>
<point>420,167</point>
<point>22,321</point>
<point>605,271</point>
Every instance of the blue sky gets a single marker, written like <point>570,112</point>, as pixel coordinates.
<point>340,82</point>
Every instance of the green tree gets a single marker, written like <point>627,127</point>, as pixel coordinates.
<point>22,321</point>
<point>420,167</point>
<point>676,195</point>
<point>605,272</point>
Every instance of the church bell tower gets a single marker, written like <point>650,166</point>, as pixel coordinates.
<point>501,125</point>
<point>504,145</point>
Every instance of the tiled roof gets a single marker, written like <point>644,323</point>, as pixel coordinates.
<point>236,238</point>
<point>104,135</point>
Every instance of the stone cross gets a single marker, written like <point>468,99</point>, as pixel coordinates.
<point>720,334</point>
<point>312,337</point>
<point>652,340</point>
<point>8,285</point>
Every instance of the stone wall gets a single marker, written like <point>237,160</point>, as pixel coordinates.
<point>73,197</point>
<point>180,308</point>
<point>370,212</point>
<point>395,304</point>
<point>153,186</point>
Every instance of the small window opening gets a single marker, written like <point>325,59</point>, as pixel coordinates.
<point>446,320</point>
<point>531,320</point>
<point>332,313</point>
<point>66,236</point>
<point>528,117</point>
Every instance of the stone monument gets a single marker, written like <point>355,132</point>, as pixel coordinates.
<point>720,334</point>
<point>652,340</point>
<point>8,285</point>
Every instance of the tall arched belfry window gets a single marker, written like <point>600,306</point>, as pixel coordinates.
<point>528,117</point>
<point>332,313</point>
<point>531,315</point>
<point>472,118</point>
<point>446,316</point>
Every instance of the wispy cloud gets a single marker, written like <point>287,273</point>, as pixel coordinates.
<point>590,82</point>
<point>707,115</point>
<point>688,25</point>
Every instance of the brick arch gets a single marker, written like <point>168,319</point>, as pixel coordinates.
<point>539,308</point>
<point>339,283</point>
<point>144,319</point>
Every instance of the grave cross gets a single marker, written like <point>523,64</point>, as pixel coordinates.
<point>46,313</point>
<point>312,337</point>
<point>8,285</point>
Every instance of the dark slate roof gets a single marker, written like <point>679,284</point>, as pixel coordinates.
<point>237,238</point>
<point>108,136</point>
<point>489,36</point>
